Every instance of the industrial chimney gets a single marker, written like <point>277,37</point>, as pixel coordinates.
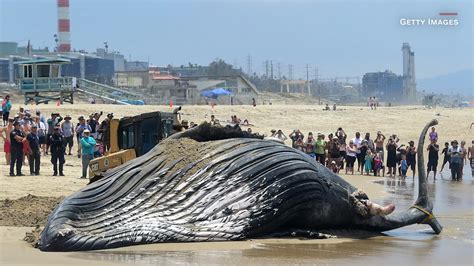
<point>64,37</point>
<point>409,81</point>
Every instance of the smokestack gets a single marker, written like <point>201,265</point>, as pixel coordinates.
<point>64,37</point>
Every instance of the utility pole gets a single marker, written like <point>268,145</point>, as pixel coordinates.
<point>307,80</point>
<point>290,72</point>
<point>271,69</point>
<point>266,69</point>
<point>249,65</point>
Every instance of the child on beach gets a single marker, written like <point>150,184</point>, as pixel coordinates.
<point>368,162</point>
<point>334,168</point>
<point>404,166</point>
<point>378,164</point>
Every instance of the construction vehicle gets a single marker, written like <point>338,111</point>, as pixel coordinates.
<point>131,137</point>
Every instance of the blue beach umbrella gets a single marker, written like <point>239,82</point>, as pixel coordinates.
<point>214,93</point>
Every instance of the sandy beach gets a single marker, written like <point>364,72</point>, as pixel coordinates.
<point>405,121</point>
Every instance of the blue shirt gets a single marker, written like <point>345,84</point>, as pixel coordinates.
<point>88,144</point>
<point>404,165</point>
<point>6,106</point>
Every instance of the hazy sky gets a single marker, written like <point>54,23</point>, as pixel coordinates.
<point>341,38</point>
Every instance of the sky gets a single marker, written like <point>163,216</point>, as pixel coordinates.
<point>338,38</point>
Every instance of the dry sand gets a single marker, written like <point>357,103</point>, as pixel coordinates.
<point>406,122</point>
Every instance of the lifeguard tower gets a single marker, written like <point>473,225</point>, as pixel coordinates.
<point>40,80</point>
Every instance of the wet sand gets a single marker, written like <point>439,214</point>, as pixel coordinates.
<point>453,201</point>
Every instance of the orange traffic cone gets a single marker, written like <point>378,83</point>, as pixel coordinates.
<point>58,103</point>
<point>171,103</point>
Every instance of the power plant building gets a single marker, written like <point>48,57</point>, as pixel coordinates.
<point>387,86</point>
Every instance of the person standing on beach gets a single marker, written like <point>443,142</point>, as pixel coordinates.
<point>68,128</point>
<point>52,123</point>
<point>403,167</point>
<point>351,154</point>
<point>87,151</point>
<point>299,145</point>
<point>411,156</point>
<point>456,160</point>
<point>341,136</point>
<point>319,149</point>
<point>79,132</point>
<point>294,136</point>
<point>57,151</point>
<point>16,137</point>
<point>379,142</point>
<point>433,157</point>
<point>310,145</point>
<point>41,127</point>
<point>93,124</point>
<point>433,135</point>
<point>391,157</point>
<point>335,152</point>
<point>104,131</point>
<point>358,142</point>
<point>463,156</point>
<point>280,135</point>
<point>370,143</point>
<point>6,108</point>
<point>368,162</point>
<point>446,158</point>
<point>362,153</point>
<point>34,151</point>
<point>470,154</point>
<point>6,140</point>
<point>401,153</point>
<point>328,149</point>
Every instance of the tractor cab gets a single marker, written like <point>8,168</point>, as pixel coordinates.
<point>144,131</point>
<point>131,137</point>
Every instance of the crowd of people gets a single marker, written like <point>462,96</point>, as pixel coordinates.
<point>378,156</point>
<point>30,138</point>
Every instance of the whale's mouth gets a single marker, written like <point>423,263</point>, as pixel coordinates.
<point>421,212</point>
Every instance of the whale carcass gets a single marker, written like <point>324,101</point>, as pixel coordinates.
<point>212,184</point>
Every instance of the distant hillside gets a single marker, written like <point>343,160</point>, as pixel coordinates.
<point>461,82</point>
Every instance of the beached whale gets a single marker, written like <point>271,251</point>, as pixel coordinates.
<point>214,184</point>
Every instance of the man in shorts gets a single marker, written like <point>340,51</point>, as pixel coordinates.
<point>6,140</point>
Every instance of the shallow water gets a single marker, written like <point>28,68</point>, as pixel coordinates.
<point>453,206</point>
